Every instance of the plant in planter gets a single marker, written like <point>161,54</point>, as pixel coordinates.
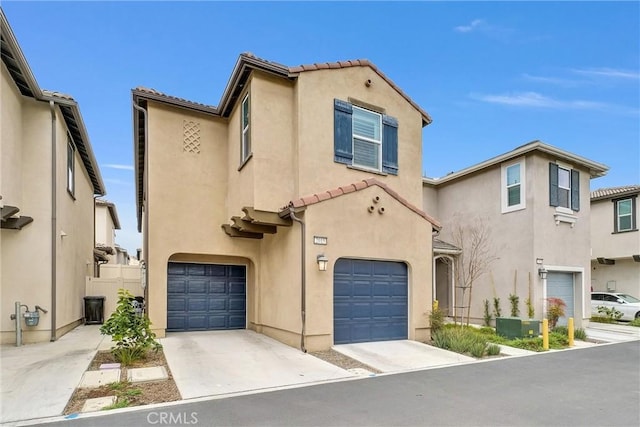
<point>487,313</point>
<point>555,310</point>
<point>130,331</point>
<point>514,300</point>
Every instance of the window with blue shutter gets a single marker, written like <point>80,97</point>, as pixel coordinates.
<point>365,138</point>
<point>564,187</point>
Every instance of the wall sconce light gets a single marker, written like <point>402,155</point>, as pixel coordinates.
<point>542,272</point>
<point>323,261</point>
<point>539,261</point>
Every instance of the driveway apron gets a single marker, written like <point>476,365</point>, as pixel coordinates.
<point>221,362</point>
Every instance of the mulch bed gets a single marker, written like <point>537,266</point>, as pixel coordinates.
<point>150,392</point>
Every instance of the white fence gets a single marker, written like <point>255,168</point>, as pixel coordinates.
<point>112,278</point>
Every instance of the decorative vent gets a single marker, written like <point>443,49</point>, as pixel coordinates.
<point>191,137</point>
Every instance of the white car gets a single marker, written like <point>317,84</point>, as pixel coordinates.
<point>624,303</point>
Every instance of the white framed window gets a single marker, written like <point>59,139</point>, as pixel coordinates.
<point>71,168</point>
<point>564,187</point>
<point>624,215</point>
<point>245,146</point>
<point>367,138</point>
<point>513,186</point>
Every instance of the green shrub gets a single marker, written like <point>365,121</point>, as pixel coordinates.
<point>610,313</point>
<point>580,334</point>
<point>436,319</point>
<point>497,311</point>
<point>635,322</point>
<point>130,331</point>
<point>530,310</point>
<point>477,349</point>
<point>459,339</point>
<point>561,330</point>
<point>487,313</point>
<point>600,319</point>
<point>493,349</point>
<point>514,300</point>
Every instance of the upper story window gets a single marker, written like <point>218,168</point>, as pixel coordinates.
<point>564,187</point>
<point>513,186</point>
<point>624,215</point>
<point>245,149</point>
<point>71,168</point>
<point>365,139</point>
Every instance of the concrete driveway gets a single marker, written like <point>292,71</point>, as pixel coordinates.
<point>398,356</point>
<point>222,362</point>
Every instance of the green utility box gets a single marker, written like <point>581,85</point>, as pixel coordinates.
<point>514,327</point>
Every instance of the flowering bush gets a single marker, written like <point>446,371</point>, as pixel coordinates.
<point>555,310</point>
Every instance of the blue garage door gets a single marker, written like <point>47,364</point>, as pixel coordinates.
<point>369,301</point>
<point>205,297</point>
<point>560,285</point>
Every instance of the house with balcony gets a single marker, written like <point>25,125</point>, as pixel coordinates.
<point>292,208</point>
<point>531,207</point>
<point>48,179</point>
<point>615,241</point>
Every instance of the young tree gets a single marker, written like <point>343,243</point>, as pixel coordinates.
<point>476,257</point>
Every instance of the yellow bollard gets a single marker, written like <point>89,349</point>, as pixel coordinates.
<point>545,334</point>
<point>570,327</point>
<point>435,305</point>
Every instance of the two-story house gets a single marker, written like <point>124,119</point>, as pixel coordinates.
<point>107,222</point>
<point>532,207</point>
<point>292,208</point>
<point>615,241</point>
<point>48,179</point>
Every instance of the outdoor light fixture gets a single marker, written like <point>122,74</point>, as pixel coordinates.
<point>322,262</point>
<point>539,261</point>
<point>542,272</point>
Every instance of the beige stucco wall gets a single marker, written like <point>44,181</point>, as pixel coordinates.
<point>26,168</point>
<point>604,242</point>
<point>519,237</point>
<point>624,276</point>
<point>104,226</point>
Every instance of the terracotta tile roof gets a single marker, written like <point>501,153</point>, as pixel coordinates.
<point>442,246</point>
<point>157,93</point>
<point>604,193</point>
<point>357,186</point>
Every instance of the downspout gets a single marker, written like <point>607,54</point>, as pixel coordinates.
<point>144,202</point>
<point>303,302</point>
<point>54,220</point>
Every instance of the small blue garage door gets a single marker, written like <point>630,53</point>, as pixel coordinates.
<point>560,285</point>
<point>205,297</point>
<point>369,301</point>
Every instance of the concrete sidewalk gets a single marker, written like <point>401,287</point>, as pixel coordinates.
<point>37,380</point>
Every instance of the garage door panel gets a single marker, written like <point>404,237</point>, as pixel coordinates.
<point>205,297</point>
<point>561,285</point>
<point>370,301</point>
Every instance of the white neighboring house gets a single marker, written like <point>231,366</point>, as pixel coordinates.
<point>107,222</point>
<point>615,240</point>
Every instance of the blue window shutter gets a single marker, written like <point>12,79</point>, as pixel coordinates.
<point>553,185</point>
<point>575,190</point>
<point>342,132</point>
<point>389,145</point>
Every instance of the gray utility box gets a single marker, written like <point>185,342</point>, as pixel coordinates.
<point>515,327</point>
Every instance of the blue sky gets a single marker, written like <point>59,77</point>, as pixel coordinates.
<point>493,75</point>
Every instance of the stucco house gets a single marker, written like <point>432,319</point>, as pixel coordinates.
<point>533,205</point>
<point>615,241</point>
<point>107,251</point>
<point>292,208</point>
<point>48,180</point>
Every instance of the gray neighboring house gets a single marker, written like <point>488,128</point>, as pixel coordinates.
<point>534,203</point>
<point>615,240</point>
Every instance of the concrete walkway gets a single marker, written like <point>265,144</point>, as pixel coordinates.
<point>37,380</point>
<point>607,332</point>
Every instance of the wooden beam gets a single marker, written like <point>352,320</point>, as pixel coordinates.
<point>8,211</point>
<point>16,223</point>
<point>242,225</point>
<point>264,217</point>
<point>232,232</point>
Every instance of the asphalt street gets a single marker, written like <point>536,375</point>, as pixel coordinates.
<point>597,386</point>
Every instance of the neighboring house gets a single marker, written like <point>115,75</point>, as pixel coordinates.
<point>533,202</point>
<point>48,180</point>
<point>107,222</point>
<point>291,208</point>
<point>615,240</point>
